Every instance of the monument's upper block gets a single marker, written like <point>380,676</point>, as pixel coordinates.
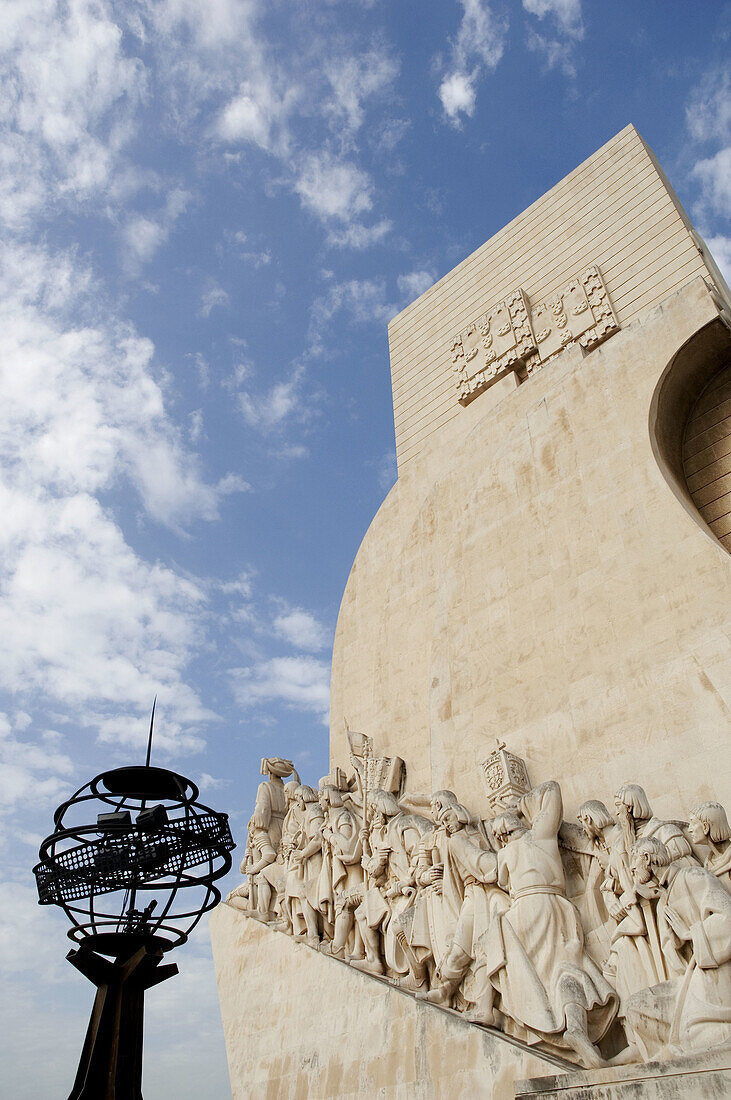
<point>598,249</point>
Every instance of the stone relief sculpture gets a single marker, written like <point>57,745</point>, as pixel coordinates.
<point>515,335</point>
<point>606,939</point>
<point>710,833</point>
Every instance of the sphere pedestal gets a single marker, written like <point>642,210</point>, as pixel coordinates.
<point>110,1067</point>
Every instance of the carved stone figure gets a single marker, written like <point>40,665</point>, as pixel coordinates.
<point>473,867</point>
<point>549,988</point>
<point>697,909</point>
<point>305,864</point>
<point>553,932</point>
<point>288,886</point>
<point>586,852</point>
<point>259,865</point>
<point>709,830</point>
<point>271,805</point>
<point>340,884</point>
<point>389,846</point>
<point>637,960</point>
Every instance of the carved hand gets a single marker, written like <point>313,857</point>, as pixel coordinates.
<point>616,910</point>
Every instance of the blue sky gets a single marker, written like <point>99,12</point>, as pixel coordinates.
<point>210,213</point>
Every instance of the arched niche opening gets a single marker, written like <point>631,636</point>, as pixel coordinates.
<point>690,429</point>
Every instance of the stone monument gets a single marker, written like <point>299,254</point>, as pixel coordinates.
<point>515,880</point>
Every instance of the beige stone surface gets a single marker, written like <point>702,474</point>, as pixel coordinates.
<point>703,1077</point>
<point>533,577</point>
<point>551,569</point>
<point>301,1026</point>
<point>616,210</point>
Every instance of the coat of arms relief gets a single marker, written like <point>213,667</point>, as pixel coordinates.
<point>515,335</point>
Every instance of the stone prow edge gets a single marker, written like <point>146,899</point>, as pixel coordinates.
<point>537,1051</point>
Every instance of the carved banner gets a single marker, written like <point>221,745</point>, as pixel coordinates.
<point>513,335</point>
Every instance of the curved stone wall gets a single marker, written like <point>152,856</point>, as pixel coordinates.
<point>534,578</point>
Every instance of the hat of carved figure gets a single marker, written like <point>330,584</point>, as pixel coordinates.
<point>276,765</point>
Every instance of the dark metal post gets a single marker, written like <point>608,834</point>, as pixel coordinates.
<point>110,1067</point>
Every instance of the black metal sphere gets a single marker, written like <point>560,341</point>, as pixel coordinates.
<point>142,870</point>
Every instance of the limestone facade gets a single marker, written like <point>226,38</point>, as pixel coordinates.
<point>535,579</point>
<point>544,594</point>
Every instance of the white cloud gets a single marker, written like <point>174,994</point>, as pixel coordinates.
<point>213,297</point>
<point>567,13</point>
<point>354,80</point>
<point>80,405</point>
<point>30,773</point>
<point>299,682</point>
<point>559,49</point>
<point>333,188</point>
<point>68,98</point>
<point>301,629</point>
<point>709,112</point>
<point>195,425</point>
<point>144,234</point>
<point>477,48</point>
<point>270,410</point>
<point>720,247</point>
<point>714,174</point>
<point>84,621</point>
<point>365,301</point>
<point>458,95</point>
<point>257,114</point>
<point>415,283</point>
<point>359,236</point>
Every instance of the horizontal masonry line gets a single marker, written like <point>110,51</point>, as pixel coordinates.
<point>717,509</point>
<point>713,491</point>
<point>721,526</point>
<point>595,219</point>
<point>709,473</point>
<point>410,444</point>
<point>622,303</point>
<point>710,400</point>
<point>695,463</point>
<point>619,208</point>
<point>713,417</point>
<point>616,260</point>
<point>589,174</point>
<point>694,443</point>
<point>445,383</point>
<point>405,384</point>
<point>510,262</point>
